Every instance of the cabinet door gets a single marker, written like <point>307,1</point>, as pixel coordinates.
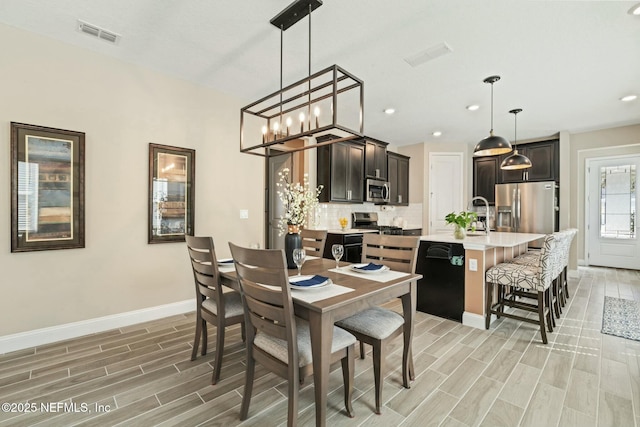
<point>376,160</point>
<point>355,173</point>
<point>511,176</point>
<point>403,182</point>
<point>339,170</point>
<point>398,175</point>
<point>392,167</point>
<point>485,173</point>
<point>544,161</point>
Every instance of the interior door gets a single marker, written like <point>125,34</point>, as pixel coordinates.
<point>611,214</point>
<point>445,189</point>
<point>275,208</point>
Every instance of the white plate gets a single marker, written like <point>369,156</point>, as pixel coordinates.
<point>225,262</point>
<point>354,267</point>
<point>294,279</point>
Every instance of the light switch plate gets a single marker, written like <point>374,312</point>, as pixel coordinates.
<point>473,264</point>
<point>244,214</point>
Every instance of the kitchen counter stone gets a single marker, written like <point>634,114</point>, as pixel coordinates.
<point>481,241</point>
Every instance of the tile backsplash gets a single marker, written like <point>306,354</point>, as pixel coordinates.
<point>327,214</point>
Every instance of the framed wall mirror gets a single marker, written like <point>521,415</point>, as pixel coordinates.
<point>171,193</point>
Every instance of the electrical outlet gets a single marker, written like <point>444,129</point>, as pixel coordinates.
<point>244,214</point>
<point>473,264</point>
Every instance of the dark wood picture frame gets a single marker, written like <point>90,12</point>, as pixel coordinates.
<point>47,188</point>
<point>172,172</point>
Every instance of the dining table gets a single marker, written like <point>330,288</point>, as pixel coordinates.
<point>349,292</point>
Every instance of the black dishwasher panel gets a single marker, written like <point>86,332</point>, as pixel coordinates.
<point>441,289</point>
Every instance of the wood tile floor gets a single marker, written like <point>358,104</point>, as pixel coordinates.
<point>142,375</point>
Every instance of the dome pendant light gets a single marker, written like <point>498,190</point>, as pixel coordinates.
<point>516,160</point>
<point>492,145</point>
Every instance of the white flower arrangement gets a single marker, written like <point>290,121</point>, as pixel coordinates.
<point>298,200</point>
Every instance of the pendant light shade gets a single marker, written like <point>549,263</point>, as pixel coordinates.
<point>492,145</point>
<point>516,160</point>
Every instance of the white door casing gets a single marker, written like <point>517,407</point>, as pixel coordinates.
<point>611,206</point>
<point>445,188</point>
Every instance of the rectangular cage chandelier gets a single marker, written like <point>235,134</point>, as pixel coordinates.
<point>324,108</point>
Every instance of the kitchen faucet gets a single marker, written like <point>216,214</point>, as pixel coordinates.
<point>486,205</point>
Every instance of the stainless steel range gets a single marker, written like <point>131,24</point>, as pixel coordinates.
<point>369,221</point>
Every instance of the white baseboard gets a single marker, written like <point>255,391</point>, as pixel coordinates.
<point>475,320</point>
<point>573,274</point>
<point>582,262</point>
<point>76,329</point>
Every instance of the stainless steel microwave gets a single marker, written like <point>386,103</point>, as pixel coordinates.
<point>377,191</point>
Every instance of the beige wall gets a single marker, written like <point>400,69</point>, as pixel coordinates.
<point>121,108</point>
<point>419,171</point>
<point>416,171</point>
<point>588,145</point>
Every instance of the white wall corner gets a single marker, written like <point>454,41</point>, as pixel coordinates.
<point>67,331</point>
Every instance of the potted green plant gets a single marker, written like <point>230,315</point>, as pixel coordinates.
<point>462,221</point>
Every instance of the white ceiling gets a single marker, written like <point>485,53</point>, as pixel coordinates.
<point>565,63</point>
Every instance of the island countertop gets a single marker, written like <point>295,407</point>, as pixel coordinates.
<point>480,241</point>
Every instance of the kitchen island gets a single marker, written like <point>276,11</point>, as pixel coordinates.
<point>455,288</point>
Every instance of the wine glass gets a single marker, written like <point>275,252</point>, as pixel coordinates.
<point>337,251</point>
<point>299,254</point>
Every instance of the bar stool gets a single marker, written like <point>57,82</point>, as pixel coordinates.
<point>515,280</point>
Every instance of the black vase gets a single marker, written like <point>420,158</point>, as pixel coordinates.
<point>292,240</point>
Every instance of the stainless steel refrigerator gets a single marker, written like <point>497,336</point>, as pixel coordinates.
<point>529,207</point>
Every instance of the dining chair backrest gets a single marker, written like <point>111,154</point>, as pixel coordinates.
<point>264,284</point>
<point>399,253</point>
<point>313,241</point>
<point>205,270</point>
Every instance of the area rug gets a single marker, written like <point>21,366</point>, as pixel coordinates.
<point>621,317</point>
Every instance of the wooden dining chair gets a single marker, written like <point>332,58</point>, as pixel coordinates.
<point>277,339</point>
<point>377,326</point>
<point>215,303</point>
<point>313,241</point>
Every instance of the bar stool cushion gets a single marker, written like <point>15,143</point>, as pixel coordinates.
<point>510,274</point>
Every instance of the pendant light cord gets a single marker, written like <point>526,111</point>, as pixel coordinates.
<point>515,131</point>
<point>309,98</point>
<point>491,131</point>
<point>281,71</point>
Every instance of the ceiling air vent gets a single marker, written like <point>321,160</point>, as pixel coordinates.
<point>428,54</point>
<point>98,32</point>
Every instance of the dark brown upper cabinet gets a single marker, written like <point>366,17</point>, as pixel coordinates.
<point>376,159</point>
<point>340,168</point>
<point>485,175</point>
<point>545,163</point>
<point>398,174</point>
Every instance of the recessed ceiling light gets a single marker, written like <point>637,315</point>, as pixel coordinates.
<point>473,107</point>
<point>437,133</point>
<point>635,10</point>
<point>628,98</point>
<point>389,111</point>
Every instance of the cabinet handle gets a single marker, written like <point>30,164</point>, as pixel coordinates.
<point>348,194</point>
<point>399,198</point>
<point>377,173</point>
